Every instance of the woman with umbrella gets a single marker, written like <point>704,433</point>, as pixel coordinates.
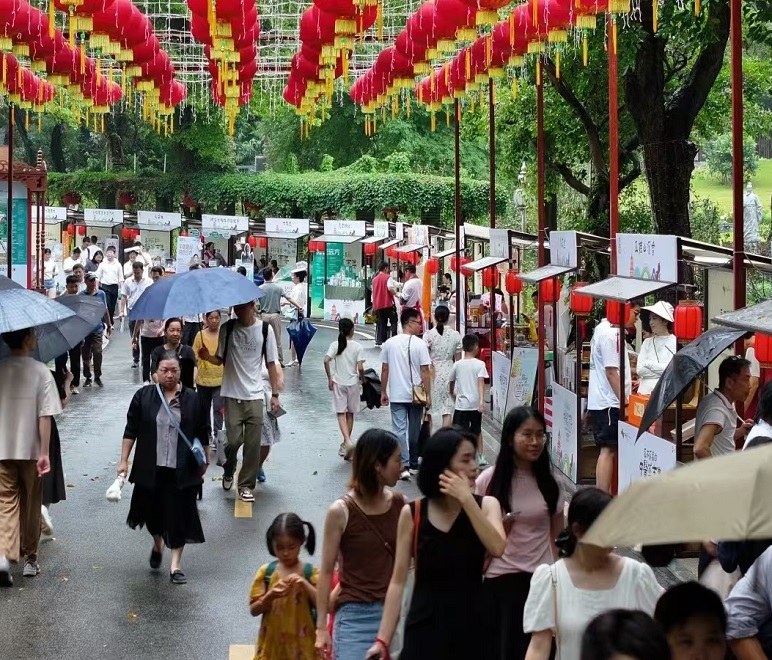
<point>161,421</point>
<point>297,299</point>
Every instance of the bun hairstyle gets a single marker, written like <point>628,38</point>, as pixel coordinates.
<point>586,505</point>
<point>345,326</point>
<point>441,315</point>
<point>292,525</point>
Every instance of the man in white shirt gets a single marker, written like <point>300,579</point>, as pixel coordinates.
<point>28,400</point>
<point>70,261</point>
<point>93,248</point>
<point>130,292</point>
<point>405,363</point>
<point>603,397</point>
<point>244,344</point>
<point>412,293</point>
<point>110,276</point>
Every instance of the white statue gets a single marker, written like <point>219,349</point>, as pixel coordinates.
<point>751,215</point>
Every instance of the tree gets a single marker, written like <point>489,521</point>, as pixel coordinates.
<point>719,157</point>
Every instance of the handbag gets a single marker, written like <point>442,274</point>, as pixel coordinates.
<point>195,447</point>
<point>418,391</point>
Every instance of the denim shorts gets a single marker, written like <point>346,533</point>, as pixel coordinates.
<point>49,284</point>
<point>356,627</point>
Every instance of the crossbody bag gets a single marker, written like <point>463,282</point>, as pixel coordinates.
<point>195,447</point>
<point>418,391</point>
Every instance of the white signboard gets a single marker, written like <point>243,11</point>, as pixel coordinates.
<point>418,235</point>
<point>335,310</point>
<point>522,377</point>
<point>188,249</point>
<point>500,365</point>
<point>53,214</point>
<point>400,230</point>
<point>287,226</point>
<point>499,243</point>
<point>564,250</point>
<point>223,226</point>
<point>565,431</point>
<point>381,229</point>
<point>284,250</point>
<point>648,456</point>
<point>720,300</point>
<point>345,227</point>
<point>102,217</point>
<point>648,257</point>
<point>156,243</point>
<point>159,220</point>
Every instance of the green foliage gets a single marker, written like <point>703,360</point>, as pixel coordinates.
<point>398,163</point>
<point>328,163</point>
<point>706,220</point>
<point>204,145</point>
<point>719,157</point>
<point>364,165</point>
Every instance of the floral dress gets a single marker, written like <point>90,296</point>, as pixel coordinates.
<point>442,349</point>
<point>287,631</point>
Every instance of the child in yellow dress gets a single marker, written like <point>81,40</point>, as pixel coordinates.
<point>284,592</point>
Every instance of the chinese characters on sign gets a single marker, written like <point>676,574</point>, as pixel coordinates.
<point>287,226</point>
<point>648,257</point>
<point>345,227</point>
<point>563,249</point>
<point>647,456</point>
<point>565,431</point>
<point>158,220</point>
<point>102,217</point>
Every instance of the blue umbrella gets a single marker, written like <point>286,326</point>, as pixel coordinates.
<point>301,333</point>
<point>21,308</point>
<point>195,292</point>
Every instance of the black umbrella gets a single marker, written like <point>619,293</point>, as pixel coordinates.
<point>686,365</point>
<point>301,332</point>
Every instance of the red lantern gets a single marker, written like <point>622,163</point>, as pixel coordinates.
<point>433,266</point>
<point>82,230</point>
<point>251,241</point>
<point>513,285</point>
<point>688,320</point>
<point>370,249</point>
<point>184,234</point>
<point>71,230</point>
<point>490,278</point>
<point>466,272</point>
<point>390,252</point>
<point>549,290</point>
<point>615,312</point>
<point>581,305</point>
<point>135,234</point>
<point>763,348</point>
<point>126,233</point>
<point>262,242</point>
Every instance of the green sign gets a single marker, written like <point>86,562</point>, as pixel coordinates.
<point>19,239</point>
<point>335,256</point>
<point>317,285</point>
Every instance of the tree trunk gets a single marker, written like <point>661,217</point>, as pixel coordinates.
<point>669,168</point>
<point>598,207</point>
<point>29,148</point>
<point>58,162</point>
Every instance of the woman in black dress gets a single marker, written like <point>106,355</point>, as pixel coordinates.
<point>448,532</point>
<point>54,490</point>
<point>165,473</point>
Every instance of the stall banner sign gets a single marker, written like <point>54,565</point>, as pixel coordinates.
<point>317,285</point>
<point>647,456</point>
<point>335,255</point>
<point>522,376</point>
<point>284,250</point>
<point>156,243</point>
<point>345,227</point>
<point>188,249</point>
<point>300,226</point>
<point>564,446</point>
<point>159,220</point>
<point>501,367</point>
<point>20,266</point>
<point>564,249</point>
<point>111,241</point>
<point>352,255</point>
<point>720,299</point>
<point>223,226</point>
<point>499,246</point>
<point>399,230</point>
<point>648,257</point>
<point>52,214</point>
<point>102,217</point>
<point>418,235</point>
<point>335,310</point>
<point>381,229</point>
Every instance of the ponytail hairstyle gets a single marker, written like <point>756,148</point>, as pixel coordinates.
<point>441,315</point>
<point>345,326</point>
<point>291,524</point>
<point>586,505</point>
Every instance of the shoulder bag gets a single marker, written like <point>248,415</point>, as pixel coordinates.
<point>195,447</point>
<point>418,391</point>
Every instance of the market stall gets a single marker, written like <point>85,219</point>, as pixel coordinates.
<point>225,231</point>
<point>281,241</point>
<point>158,233</point>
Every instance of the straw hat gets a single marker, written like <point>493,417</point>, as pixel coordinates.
<point>662,309</point>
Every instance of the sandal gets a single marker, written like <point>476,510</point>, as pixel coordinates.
<point>177,577</point>
<point>155,559</point>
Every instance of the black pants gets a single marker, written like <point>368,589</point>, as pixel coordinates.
<point>209,397</point>
<point>148,344</point>
<point>503,604</point>
<point>74,355</point>
<point>92,348</point>
<point>189,332</point>
<point>111,293</point>
<point>385,317</point>
<point>134,351</point>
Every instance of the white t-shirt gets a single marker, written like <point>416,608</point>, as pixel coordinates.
<point>344,367</point>
<point>715,409</point>
<point>467,373</point>
<point>636,589</point>
<point>403,375</point>
<point>68,264</point>
<point>50,269</point>
<point>109,273</point>
<point>241,377</point>
<point>92,250</point>
<point>604,352</point>
<point>755,367</point>
<point>656,353</point>
<point>411,292</point>
<point>300,296</point>
<point>133,290</point>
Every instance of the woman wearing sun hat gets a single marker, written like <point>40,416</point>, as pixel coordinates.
<point>657,350</point>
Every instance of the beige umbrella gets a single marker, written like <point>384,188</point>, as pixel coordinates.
<point>727,498</point>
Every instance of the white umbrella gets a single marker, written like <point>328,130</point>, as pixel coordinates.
<point>21,308</point>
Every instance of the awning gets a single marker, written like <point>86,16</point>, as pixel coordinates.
<point>332,238</point>
<point>447,253</point>
<point>272,234</point>
<point>623,289</point>
<point>756,318</point>
<point>390,242</point>
<point>374,239</point>
<point>485,262</point>
<point>410,247</point>
<point>544,273</point>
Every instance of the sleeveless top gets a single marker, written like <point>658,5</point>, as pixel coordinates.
<point>367,549</point>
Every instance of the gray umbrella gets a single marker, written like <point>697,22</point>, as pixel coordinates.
<point>686,365</point>
<point>21,308</point>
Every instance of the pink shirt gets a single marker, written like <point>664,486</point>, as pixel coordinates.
<point>529,542</point>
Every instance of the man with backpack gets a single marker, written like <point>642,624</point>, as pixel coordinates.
<point>244,343</point>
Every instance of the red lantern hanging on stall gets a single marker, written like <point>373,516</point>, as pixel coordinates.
<point>581,304</point>
<point>71,229</point>
<point>466,272</point>
<point>433,266</point>
<point>490,278</point>
<point>252,242</point>
<point>763,348</point>
<point>549,290</point>
<point>688,320</point>
<point>82,230</point>
<point>513,284</point>
<point>262,242</point>
<point>370,249</point>
<point>126,233</point>
<point>617,313</point>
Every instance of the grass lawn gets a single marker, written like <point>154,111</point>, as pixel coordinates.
<point>707,187</point>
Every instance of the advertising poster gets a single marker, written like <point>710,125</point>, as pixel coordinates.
<point>157,243</point>
<point>648,257</point>
<point>565,431</point>
<point>563,249</point>
<point>646,457</point>
<point>317,285</point>
<point>335,310</point>
<point>20,238</point>
<point>188,249</point>
<point>499,384</point>
<point>284,250</point>
<point>522,377</point>
<point>335,255</point>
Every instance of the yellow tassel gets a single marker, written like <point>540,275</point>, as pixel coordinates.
<point>447,117</point>
<point>383,114</point>
<point>434,122</point>
<point>51,19</point>
<point>379,19</point>
<point>26,120</point>
<point>538,71</point>
<point>82,58</point>
<point>557,64</point>
<point>488,50</point>
<point>697,7</point>
<point>446,74</point>
<point>41,91</point>
<point>375,124</point>
<point>468,63</point>
<point>18,76</point>
<point>367,125</point>
<point>394,107</point>
<point>99,71</point>
<point>585,50</point>
<point>654,15</point>
<point>40,122</point>
<point>211,18</point>
<point>458,113</point>
<point>514,87</point>
<point>493,91</point>
<point>5,69</point>
<point>408,107</point>
<point>614,33</point>
<point>103,123</point>
<point>345,66</point>
<point>431,81</point>
<point>535,17</point>
<point>512,29</point>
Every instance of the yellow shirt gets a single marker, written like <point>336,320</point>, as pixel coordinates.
<point>209,375</point>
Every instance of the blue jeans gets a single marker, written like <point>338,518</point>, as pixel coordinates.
<point>406,422</point>
<point>355,629</point>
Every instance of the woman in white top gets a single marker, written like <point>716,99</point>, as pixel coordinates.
<point>444,347</point>
<point>50,271</point>
<point>297,299</point>
<point>345,356</point>
<point>657,350</point>
<point>585,583</point>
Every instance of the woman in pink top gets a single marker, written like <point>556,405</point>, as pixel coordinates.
<point>532,505</point>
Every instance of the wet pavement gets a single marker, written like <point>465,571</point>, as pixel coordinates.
<point>96,596</point>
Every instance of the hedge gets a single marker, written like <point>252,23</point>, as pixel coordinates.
<point>283,195</point>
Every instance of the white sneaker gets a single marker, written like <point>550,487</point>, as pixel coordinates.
<point>5,572</point>
<point>31,568</point>
<point>74,390</point>
<point>405,475</point>
<point>46,526</point>
<point>246,495</point>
